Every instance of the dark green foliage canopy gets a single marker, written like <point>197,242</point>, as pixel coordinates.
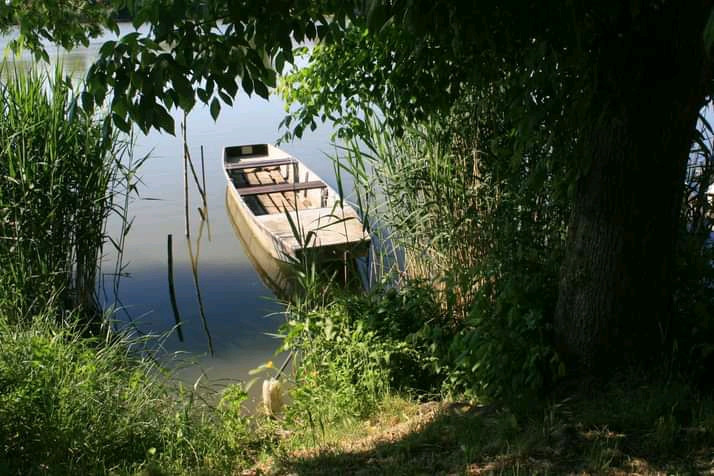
<point>410,54</point>
<point>187,50</point>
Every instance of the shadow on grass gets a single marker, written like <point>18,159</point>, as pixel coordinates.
<point>624,431</point>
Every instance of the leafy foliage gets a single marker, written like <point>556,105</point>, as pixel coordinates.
<point>64,22</point>
<point>352,350</point>
<point>359,75</point>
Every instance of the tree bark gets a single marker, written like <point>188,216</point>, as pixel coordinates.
<point>648,82</point>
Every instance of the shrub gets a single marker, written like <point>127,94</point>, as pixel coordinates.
<point>352,350</point>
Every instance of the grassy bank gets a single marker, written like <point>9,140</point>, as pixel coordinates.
<point>626,428</point>
<point>73,405</point>
<point>376,393</point>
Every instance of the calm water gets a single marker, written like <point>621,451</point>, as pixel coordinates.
<point>240,310</point>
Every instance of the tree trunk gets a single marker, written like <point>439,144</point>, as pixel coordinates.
<point>646,89</point>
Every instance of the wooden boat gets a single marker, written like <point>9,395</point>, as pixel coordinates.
<point>288,208</point>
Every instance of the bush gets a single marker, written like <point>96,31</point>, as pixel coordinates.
<point>352,350</point>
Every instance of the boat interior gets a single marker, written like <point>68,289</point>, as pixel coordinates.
<point>270,184</point>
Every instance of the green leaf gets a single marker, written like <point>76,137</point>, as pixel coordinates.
<point>186,102</point>
<point>87,102</point>
<point>182,86</point>
<point>119,105</point>
<point>261,89</point>
<point>163,119</point>
<point>121,123</point>
<point>107,48</point>
<point>226,98</point>
<point>247,84</point>
<point>270,78</point>
<point>279,62</point>
<point>215,108</point>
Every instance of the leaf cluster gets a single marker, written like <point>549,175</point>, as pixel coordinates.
<point>200,50</point>
<point>67,23</point>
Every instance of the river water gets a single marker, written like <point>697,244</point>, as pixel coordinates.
<point>240,310</point>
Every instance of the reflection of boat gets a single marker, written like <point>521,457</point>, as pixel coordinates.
<point>287,207</point>
<point>276,275</point>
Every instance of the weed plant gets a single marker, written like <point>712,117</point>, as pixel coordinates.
<point>340,365</point>
<point>354,351</point>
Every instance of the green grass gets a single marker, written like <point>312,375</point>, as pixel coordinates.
<point>73,405</point>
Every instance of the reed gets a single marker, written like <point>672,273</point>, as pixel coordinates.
<point>58,167</point>
<point>480,217</point>
<point>420,191</point>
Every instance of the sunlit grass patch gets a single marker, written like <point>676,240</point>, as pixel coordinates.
<point>578,435</point>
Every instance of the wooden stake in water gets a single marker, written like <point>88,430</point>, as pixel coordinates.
<point>172,291</point>
<point>185,177</point>
<point>205,193</point>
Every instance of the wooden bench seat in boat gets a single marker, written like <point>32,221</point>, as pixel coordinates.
<point>257,164</point>
<point>280,188</point>
<point>329,226</point>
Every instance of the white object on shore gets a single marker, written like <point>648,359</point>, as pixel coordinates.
<point>272,396</point>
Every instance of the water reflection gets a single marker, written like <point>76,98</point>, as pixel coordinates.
<point>193,257</point>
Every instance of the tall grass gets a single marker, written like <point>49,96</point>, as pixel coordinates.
<point>422,195</point>
<point>73,401</point>
<point>57,170</point>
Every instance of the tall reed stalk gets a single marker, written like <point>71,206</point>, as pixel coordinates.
<point>57,170</point>
<point>458,203</point>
